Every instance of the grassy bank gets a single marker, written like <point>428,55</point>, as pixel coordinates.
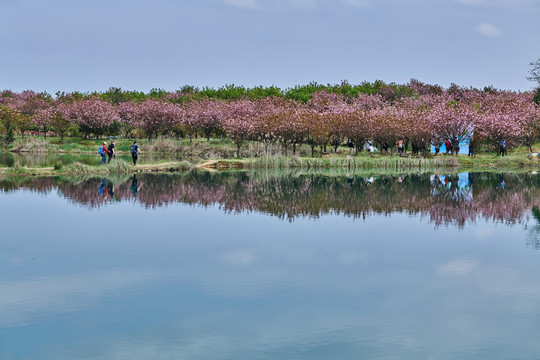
<point>220,155</point>
<point>215,148</point>
<point>115,167</point>
<point>484,161</point>
<point>383,164</point>
<point>353,162</point>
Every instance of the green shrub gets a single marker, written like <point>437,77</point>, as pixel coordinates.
<point>536,98</point>
<point>9,136</point>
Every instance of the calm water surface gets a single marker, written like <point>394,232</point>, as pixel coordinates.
<point>270,265</point>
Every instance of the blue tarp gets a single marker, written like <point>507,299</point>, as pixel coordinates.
<point>463,148</point>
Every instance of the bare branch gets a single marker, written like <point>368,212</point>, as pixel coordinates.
<point>534,72</point>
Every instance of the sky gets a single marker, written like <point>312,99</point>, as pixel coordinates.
<point>74,45</point>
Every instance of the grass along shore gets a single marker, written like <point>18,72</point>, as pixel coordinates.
<point>390,163</point>
<point>220,155</point>
<point>115,167</point>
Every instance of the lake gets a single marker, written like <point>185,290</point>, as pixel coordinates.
<point>271,264</point>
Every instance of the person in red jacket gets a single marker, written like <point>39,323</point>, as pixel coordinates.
<point>104,153</point>
<point>447,145</point>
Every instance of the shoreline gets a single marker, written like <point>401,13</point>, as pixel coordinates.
<point>376,162</point>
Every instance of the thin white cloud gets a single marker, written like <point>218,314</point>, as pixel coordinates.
<point>302,4</point>
<point>494,3</point>
<point>243,4</point>
<point>458,267</point>
<point>488,30</point>
<point>484,231</point>
<point>24,302</point>
<point>473,2</point>
<point>239,258</point>
<point>356,3</point>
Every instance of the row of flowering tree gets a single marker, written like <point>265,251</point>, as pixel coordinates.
<point>326,119</point>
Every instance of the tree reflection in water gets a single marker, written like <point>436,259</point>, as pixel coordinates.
<point>450,199</point>
<point>534,231</point>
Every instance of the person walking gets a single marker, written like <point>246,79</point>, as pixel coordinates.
<point>400,146</point>
<point>103,190</point>
<point>502,147</point>
<point>471,149</point>
<point>350,144</point>
<point>135,187</point>
<point>103,152</point>
<point>447,146</point>
<point>135,153</point>
<point>110,150</point>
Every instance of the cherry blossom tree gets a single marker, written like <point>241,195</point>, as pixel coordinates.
<point>92,116</point>
<point>128,117</point>
<point>506,116</point>
<point>238,122</point>
<point>415,125</point>
<point>453,120</point>
<point>317,130</point>
<point>53,117</point>
<point>157,117</point>
<point>386,128</point>
<point>208,116</point>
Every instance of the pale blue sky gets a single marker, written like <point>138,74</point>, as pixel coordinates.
<point>138,45</point>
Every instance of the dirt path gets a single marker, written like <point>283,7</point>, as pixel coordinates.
<point>221,164</point>
<point>50,171</point>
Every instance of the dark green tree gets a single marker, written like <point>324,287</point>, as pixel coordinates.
<point>534,72</point>
<point>536,97</point>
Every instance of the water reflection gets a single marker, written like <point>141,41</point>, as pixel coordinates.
<point>180,281</point>
<point>534,230</point>
<point>444,199</point>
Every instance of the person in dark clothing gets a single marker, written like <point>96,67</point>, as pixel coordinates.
<point>110,150</point>
<point>110,187</point>
<point>471,149</point>
<point>350,144</point>
<point>135,153</point>
<point>502,147</point>
<point>134,188</point>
